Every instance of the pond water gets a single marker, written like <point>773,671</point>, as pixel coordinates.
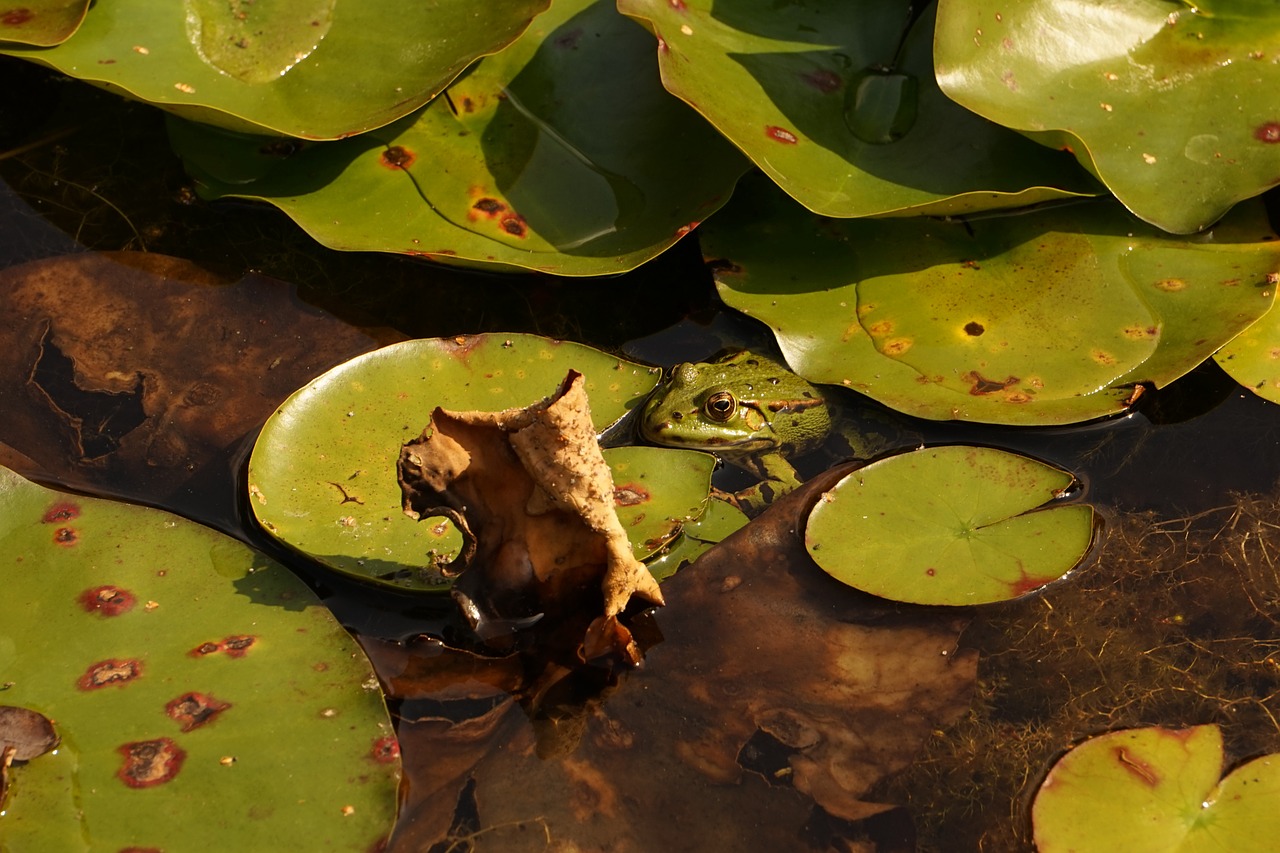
<point>1170,620</point>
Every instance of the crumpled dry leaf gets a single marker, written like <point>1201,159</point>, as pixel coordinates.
<point>775,689</point>
<point>533,497</point>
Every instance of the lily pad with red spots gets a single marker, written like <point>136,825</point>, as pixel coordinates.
<point>203,696</point>
<point>41,23</point>
<point>949,525</point>
<point>1157,790</point>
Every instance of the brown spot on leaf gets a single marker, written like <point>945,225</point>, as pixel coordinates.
<point>973,328</point>
<point>397,157</point>
<point>193,710</point>
<point>148,763</point>
<point>823,80</point>
<point>1171,285</point>
<point>111,671</point>
<point>61,511</point>
<point>107,600</point>
<point>1102,357</point>
<point>204,649</point>
<point>896,347</point>
<point>981,385</point>
<point>16,17</point>
<point>1136,766</point>
<point>238,645</point>
<point>630,494</point>
<point>514,225</point>
<point>1268,133</point>
<point>65,536</point>
<point>781,134</point>
<point>385,750</point>
<point>489,206</point>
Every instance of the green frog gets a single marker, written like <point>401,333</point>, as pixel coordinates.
<point>753,413</point>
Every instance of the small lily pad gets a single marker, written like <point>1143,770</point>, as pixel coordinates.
<point>322,476</point>
<point>949,525</point>
<point>658,492</point>
<point>717,521</point>
<point>1252,358</point>
<point>200,690</point>
<point>1156,790</point>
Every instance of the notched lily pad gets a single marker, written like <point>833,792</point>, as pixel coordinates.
<point>181,668</point>
<point>1049,317</point>
<point>949,525</point>
<point>1156,790</point>
<point>531,493</point>
<point>322,473</point>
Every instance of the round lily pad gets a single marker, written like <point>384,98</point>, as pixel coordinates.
<point>322,476</point>
<point>203,696</point>
<point>949,525</point>
<point>1156,790</point>
<point>658,492</point>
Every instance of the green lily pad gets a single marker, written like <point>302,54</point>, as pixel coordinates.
<point>1252,358</point>
<point>1156,790</point>
<point>823,98</point>
<point>320,69</point>
<point>949,525</point>
<point>1043,318</point>
<point>1171,104</point>
<point>203,696</point>
<point>658,493</point>
<point>41,23</point>
<point>717,521</point>
<point>322,475</point>
<point>562,154</point>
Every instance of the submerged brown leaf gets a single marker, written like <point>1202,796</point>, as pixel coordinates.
<point>533,497</point>
<point>776,702</point>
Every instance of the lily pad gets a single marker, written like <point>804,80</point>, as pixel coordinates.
<point>1171,104</point>
<point>200,690</point>
<point>41,23</point>
<point>949,525</point>
<point>718,520</point>
<point>1044,318</point>
<point>837,103</point>
<point>658,493</point>
<point>1253,357</point>
<point>322,476</point>
<point>320,69</point>
<point>1157,790</point>
<point>562,154</point>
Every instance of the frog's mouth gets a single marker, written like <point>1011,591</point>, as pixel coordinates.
<point>663,433</point>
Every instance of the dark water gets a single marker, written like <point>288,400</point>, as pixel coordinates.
<point>83,172</point>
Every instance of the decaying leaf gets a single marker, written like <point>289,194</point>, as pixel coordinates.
<point>775,702</point>
<point>533,497</point>
<point>24,735</point>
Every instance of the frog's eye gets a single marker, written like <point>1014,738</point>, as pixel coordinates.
<point>720,406</point>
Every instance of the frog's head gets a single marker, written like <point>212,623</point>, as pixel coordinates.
<point>742,404</point>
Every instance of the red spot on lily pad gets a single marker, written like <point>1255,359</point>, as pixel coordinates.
<point>238,646</point>
<point>397,157</point>
<point>61,511</point>
<point>385,750</point>
<point>112,671</point>
<point>1268,133</point>
<point>16,17</point>
<point>66,536</point>
<point>193,710</point>
<point>515,225</point>
<point>205,649</point>
<point>630,494</point>
<point>148,763</point>
<point>107,600</point>
<point>781,134</point>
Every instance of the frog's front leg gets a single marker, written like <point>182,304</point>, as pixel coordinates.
<point>777,478</point>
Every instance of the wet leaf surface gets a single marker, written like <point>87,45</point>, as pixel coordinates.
<point>1044,318</point>
<point>563,154</point>
<point>138,373</point>
<point>1171,104</point>
<point>531,493</point>
<point>1157,789</point>
<point>199,688</point>
<point>322,474</point>
<point>837,103</point>
<point>731,743</point>
<point>41,22</point>
<point>320,69</point>
<point>949,525</point>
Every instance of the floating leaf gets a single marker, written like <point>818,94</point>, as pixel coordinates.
<point>718,520</point>
<point>1171,104</point>
<point>823,98</point>
<point>200,690</point>
<point>1253,357</point>
<point>1156,790</point>
<point>659,493</point>
<point>321,69</point>
<point>41,23</point>
<point>949,525</point>
<point>562,154</point>
<point>1043,318</point>
<point>322,477</point>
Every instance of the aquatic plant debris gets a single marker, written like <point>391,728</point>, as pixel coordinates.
<point>531,493</point>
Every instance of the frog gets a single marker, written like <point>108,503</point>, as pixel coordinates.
<point>753,413</point>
